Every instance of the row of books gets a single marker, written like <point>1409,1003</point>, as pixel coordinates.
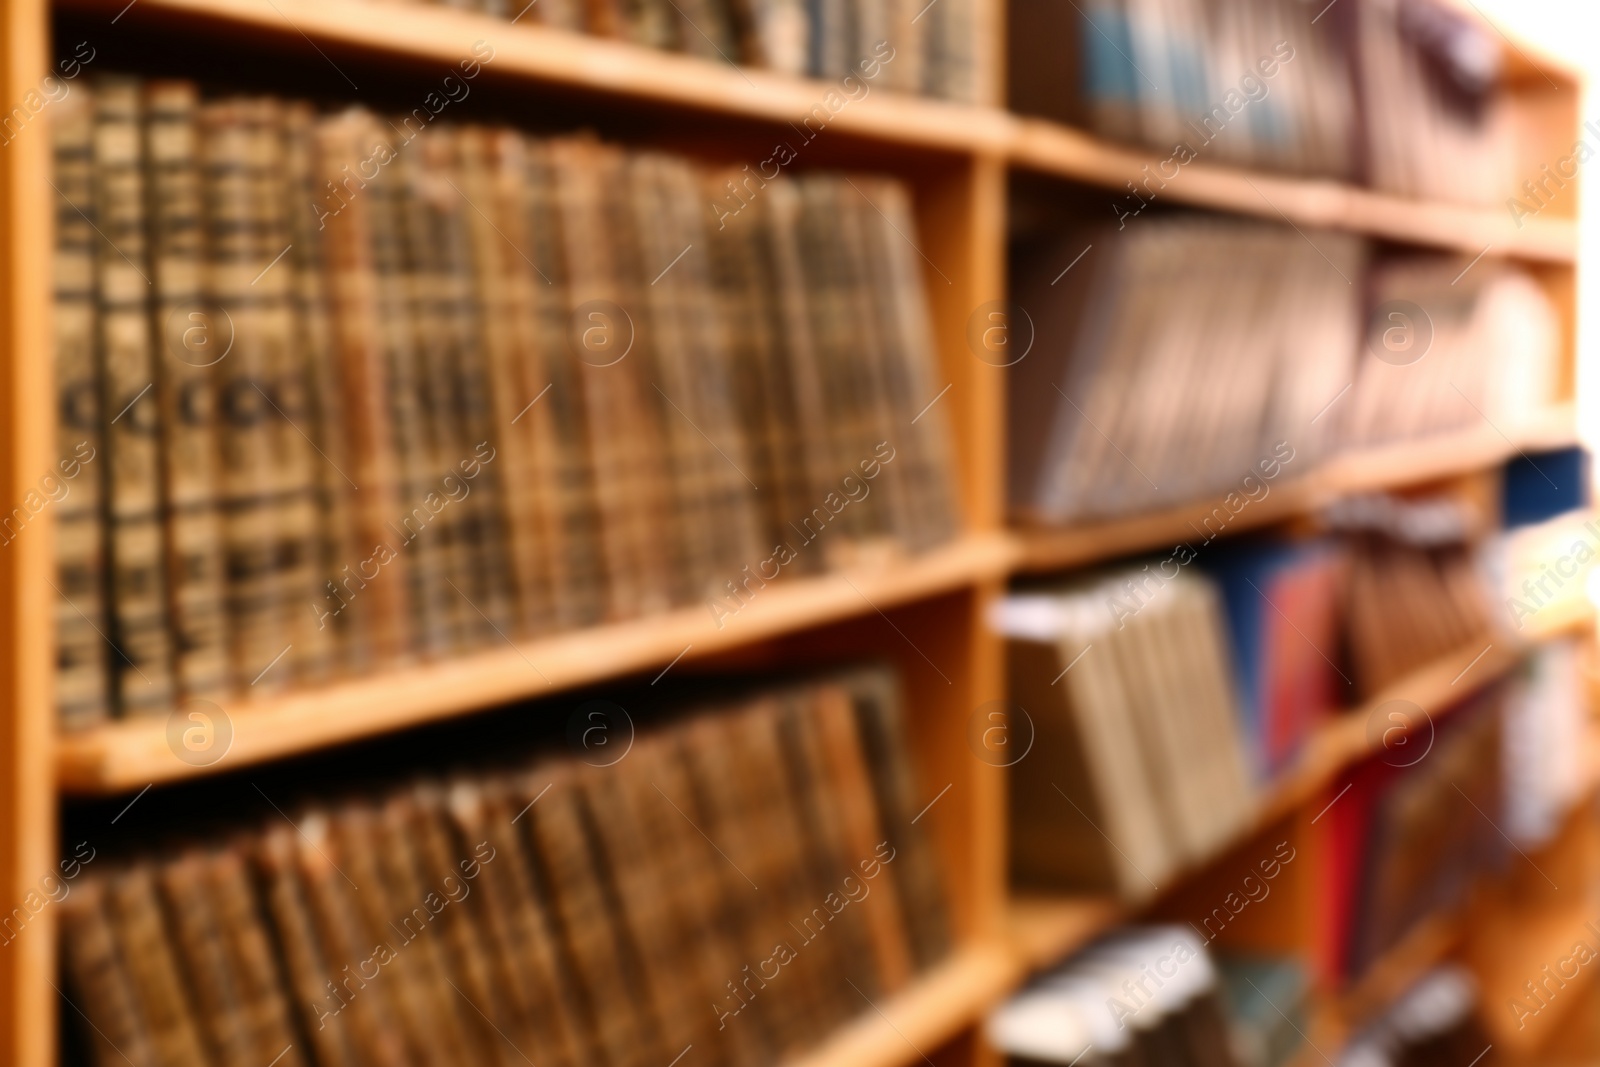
<point>343,392</point>
<point>1404,97</point>
<point>1189,356</point>
<point>906,46</point>
<point>741,881</point>
<point>1164,700</point>
<point>1142,995</point>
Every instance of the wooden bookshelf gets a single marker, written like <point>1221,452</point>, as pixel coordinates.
<point>1393,466</point>
<point>961,210</point>
<point>132,754</point>
<point>1050,148</point>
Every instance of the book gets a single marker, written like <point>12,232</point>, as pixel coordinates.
<point>716,887</point>
<point>427,390</point>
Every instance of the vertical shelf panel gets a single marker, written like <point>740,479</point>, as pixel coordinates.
<point>27,784</point>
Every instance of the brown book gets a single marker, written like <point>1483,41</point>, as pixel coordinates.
<point>861,832</point>
<point>198,946</point>
<point>188,347</point>
<point>464,932</point>
<point>504,311</point>
<point>564,467</point>
<point>376,586</point>
<point>630,480</point>
<point>100,982</point>
<point>145,942</point>
<point>338,641</point>
<point>142,672</point>
<point>617,1014</point>
<point>318,1004</point>
<point>518,937</point>
<point>82,698</point>
<point>648,913</point>
<point>263,989</point>
<point>230,165</point>
<point>840,912</point>
<point>414,928</point>
<point>876,693</point>
<point>484,535</point>
<point>424,1019</point>
<point>368,1011</point>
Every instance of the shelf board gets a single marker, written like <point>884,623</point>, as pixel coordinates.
<point>606,68</point>
<point>1051,148</point>
<point>620,70</point>
<point>1369,469</point>
<point>1045,929</point>
<point>125,755</point>
<point>911,1025</point>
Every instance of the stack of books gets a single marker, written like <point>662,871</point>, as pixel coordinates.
<point>339,392</point>
<point>740,881</point>
<point>1403,97</point>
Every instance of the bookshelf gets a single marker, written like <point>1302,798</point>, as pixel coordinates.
<point>958,159</point>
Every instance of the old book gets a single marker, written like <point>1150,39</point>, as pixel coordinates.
<point>354,213</point>
<point>413,928</point>
<point>424,1017</point>
<point>524,940</point>
<point>82,697</point>
<point>229,155</point>
<point>316,1001</point>
<point>621,1017</point>
<point>861,831</point>
<point>96,973</point>
<point>564,467</point>
<point>339,641</point>
<point>188,348</point>
<point>879,719</point>
<point>500,278</point>
<point>263,999</point>
<point>142,670</point>
<point>367,1009</point>
<point>146,948</point>
<point>197,935</point>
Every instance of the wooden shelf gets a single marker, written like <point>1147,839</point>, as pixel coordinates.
<point>620,70</point>
<point>128,755</point>
<point>606,68</point>
<point>910,1026</point>
<point>1050,148</point>
<point>1388,467</point>
<point>1046,928</point>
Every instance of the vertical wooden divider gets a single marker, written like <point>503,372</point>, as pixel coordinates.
<point>27,725</point>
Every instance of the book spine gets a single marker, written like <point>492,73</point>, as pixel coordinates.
<point>82,695</point>
<point>146,950</point>
<point>187,347</point>
<point>262,986</point>
<point>198,945</point>
<point>96,973</point>
<point>337,641</point>
<point>142,670</point>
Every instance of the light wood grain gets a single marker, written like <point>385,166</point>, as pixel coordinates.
<point>128,755</point>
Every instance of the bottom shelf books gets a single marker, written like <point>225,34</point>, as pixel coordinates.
<point>742,881</point>
<point>1432,1025</point>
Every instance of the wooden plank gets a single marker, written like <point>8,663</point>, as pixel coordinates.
<point>28,1003</point>
<point>1050,148</point>
<point>129,755</point>
<point>906,1028</point>
<point>1387,467</point>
